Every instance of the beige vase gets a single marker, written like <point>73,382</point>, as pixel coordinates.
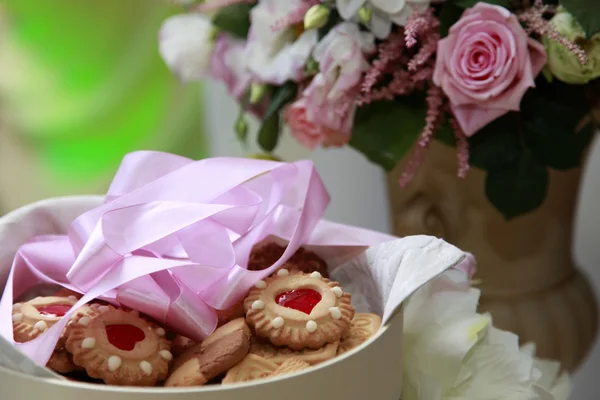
<point>528,279</point>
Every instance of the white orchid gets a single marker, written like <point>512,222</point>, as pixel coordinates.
<point>277,54</point>
<point>186,43</point>
<point>381,13</point>
<point>453,353</point>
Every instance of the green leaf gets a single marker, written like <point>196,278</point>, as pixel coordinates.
<point>268,135</point>
<point>519,187</point>
<point>269,132</point>
<point>234,19</point>
<point>550,116</point>
<point>586,12</point>
<point>471,3</point>
<point>449,15</point>
<point>497,144</point>
<point>385,131</point>
<point>281,96</point>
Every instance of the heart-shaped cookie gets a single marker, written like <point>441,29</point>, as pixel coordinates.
<point>298,310</point>
<point>120,348</point>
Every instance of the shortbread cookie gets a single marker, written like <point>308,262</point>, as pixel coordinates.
<point>252,367</point>
<point>215,359</point>
<point>35,316</point>
<point>299,310</point>
<point>266,254</point>
<point>291,366</point>
<point>364,325</point>
<point>32,318</point>
<point>231,313</point>
<point>120,348</point>
<point>279,355</point>
<point>181,344</point>
<point>238,324</point>
<point>64,292</point>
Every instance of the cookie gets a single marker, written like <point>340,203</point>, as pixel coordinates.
<point>229,314</point>
<point>298,310</point>
<point>364,325</point>
<point>35,316</point>
<point>215,359</point>
<point>238,324</point>
<point>291,366</point>
<point>252,367</point>
<point>265,255</point>
<point>279,355</point>
<point>32,318</point>
<point>120,348</point>
<point>64,292</point>
<point>181,344</point>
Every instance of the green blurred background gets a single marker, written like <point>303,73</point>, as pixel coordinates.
<point>82,84</point>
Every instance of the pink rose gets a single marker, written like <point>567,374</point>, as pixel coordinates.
<point>308,133</point>
<point>485,65</point>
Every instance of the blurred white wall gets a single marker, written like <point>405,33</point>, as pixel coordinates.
<point>358,192</point>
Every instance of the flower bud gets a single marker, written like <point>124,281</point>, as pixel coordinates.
<point>257,92</point>
<point>563,62</point>
<point>316,17</point>
<point>365,14</point>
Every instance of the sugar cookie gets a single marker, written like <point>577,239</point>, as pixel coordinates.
<point>120,348</point>
<point>299,310</point>
<point>363,326</point>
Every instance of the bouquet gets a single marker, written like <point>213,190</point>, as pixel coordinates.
<point>236,279</point>
<point>510,83</point>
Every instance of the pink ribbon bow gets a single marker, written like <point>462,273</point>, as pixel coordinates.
<point>172,240</point>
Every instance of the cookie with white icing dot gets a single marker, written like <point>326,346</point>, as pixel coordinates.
<point>120,348</point>
<point>34,317</point>
<point>299,310</point>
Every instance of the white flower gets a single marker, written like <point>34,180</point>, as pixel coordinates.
<point>453,353</point>
<point>277,55</point>
<point>382,12</point>
<point>186,43</point>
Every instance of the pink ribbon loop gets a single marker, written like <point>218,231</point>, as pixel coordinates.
<point>173,237</point>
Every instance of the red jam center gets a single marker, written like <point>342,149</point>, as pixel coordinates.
<point>299,299</point>
<point>54,310</point>
<point>124,336</point>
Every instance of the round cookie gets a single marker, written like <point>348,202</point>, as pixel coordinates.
<point>120,348</point>
<point>266,254</point>
<point>192,351</point>
<point>291,366</point>
<point>215,359</point>
<point>32,318</point>
<point>298,310</point>
<point>363,326</point>
<point>35,316</point>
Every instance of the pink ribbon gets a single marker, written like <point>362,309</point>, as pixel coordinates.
<point>173,237</point>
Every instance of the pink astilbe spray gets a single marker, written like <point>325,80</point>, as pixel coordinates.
<point>462,148</point>
<point>534,21</point>
<point>217,4</point>
<point>296,16</point>
<point>435,115</point>
<point>405,60</point>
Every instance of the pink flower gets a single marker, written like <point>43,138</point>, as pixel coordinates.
<point>485,65</point>
<point>228,65</point>
<point>308,133</point>
<point>332,94</point>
